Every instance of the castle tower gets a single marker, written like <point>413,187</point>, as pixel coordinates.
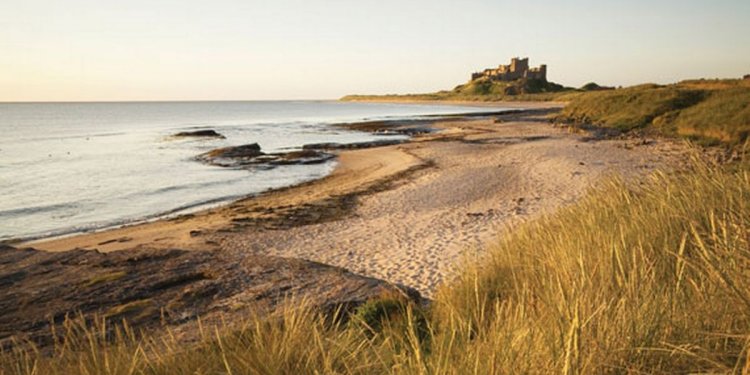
<point>522,65</point>
<point>543,72</point>
<point>518,68</point>
<point>513,64</point>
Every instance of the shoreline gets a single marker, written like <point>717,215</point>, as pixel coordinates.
<point>422,121</point>
<point>226,201</point>
<point>165,216</point>
<point>114,238</point>
<point>407,213</point>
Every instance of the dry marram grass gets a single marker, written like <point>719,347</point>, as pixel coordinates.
<point>646,279</point>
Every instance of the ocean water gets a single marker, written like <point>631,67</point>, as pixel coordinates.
<point>74,167</point>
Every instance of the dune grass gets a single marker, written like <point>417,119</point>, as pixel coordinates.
<point>654,280</point>
<point>708,111</point>
<point>651,278</point>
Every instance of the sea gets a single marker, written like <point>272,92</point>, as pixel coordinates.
<point>76,167</point>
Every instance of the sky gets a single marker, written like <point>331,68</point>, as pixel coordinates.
<point>80,50</point>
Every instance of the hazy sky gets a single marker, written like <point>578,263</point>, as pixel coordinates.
<point>284,49</point>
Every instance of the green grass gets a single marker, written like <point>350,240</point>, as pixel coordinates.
<point>724,116</point>
<point>651,278</point>
<point>709,111</point>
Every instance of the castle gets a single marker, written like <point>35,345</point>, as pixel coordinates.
<point>518,68</point>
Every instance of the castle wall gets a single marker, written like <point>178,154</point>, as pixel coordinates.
<point>518,68</point>
<point>538,73</point>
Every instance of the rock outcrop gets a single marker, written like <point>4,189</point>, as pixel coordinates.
<point>250,155</point>
<point>352,146</point>
<point>208,133</point>
<point>151,288</point>
<point>245,151</point>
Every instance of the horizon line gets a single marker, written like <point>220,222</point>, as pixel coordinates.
<point>163,101</point>
<point>740,78</point>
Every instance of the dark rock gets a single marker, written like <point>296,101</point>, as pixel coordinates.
<point>251,156</point>
<point>153,287</point>
<point>199,133</point>
<point>245,151</point>
<point>405,131</point>
<point>301,157</point>
<point>397,127</point>
<point>352,146</point>
<point>323,146</point>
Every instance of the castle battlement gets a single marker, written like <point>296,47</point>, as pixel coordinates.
<point>518,68</point>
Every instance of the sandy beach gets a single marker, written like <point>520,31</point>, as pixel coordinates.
<point>374,188</point>
<point>408,213</point>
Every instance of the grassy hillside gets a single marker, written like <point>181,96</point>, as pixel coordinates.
<point>652,279</point>
<point>711,111</point>
<point>483,90</point>
<point>708,111</point>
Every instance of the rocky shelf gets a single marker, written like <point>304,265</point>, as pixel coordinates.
<point>153,288</point>
<point>250,155</point>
